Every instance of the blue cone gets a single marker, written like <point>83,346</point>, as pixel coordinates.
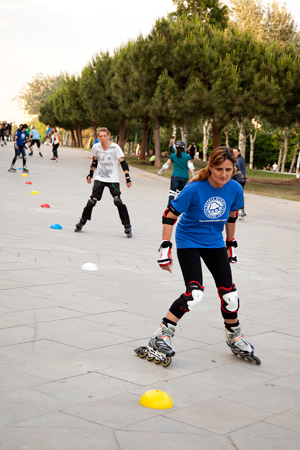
<point>56,226</point>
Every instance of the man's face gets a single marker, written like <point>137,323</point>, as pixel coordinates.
<point>104,138</point>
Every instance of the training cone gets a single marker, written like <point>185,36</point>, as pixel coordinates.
<point>45,205</point>
<point>90,266</point>
<point>20,168</point>
<point>56,226</point>
<point>24,175</point>
<point>28,182</point>
<point>156,399</point>
<point>34,192</point>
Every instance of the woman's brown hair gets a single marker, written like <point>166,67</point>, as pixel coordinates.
<point>217,157</point>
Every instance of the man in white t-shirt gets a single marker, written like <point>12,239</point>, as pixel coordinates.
<point>106,155</point>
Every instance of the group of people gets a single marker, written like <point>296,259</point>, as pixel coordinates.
<point>207,204</point>
<point>5,132</point>
<point>25,138</point>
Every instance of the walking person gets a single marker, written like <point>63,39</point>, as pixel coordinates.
<point>106,155</point>
<point>208,204</point>
<point>240,175</point>
<point>20,138</point>
<point>192,150</point>
<point>180,175</point>
<point>48,134</point>
<point>35,139</point>
<point>55,143</point>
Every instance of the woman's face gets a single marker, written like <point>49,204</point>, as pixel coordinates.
<point>221,174</point>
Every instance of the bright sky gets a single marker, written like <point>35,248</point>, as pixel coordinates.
<point>54,36</point>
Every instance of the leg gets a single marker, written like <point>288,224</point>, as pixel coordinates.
<point>218,264</point>
<point>97,192</point>
<point>181,183</point>
<point>190,264</point>
<point>173,188</point>
<point>114,189</point>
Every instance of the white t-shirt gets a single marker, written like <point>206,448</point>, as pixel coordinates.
<point>107,169</point>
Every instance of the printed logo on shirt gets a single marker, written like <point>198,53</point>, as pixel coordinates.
<point>214,207</point>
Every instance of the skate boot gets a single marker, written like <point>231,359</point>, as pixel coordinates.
<point>40,154</point>
<point>25,170</point>
<point>160,347</point>
<point>239,346</point>
<point>31,153</point>
<point>79,225</point>
<point>12,169</point>
<point>127,231</point>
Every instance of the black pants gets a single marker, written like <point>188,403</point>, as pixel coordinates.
<point>54,150</point>
<point>18,150</point>
<point>215,259</point>
<point>114,189</point>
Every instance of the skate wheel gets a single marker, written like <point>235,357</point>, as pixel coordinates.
<point>157,361</point>
<point>142,355</point>
<point>150,358</point>
<point>255,360</point>
<point>167,362</point>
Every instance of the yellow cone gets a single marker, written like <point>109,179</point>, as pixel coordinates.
<point>34,192</point>
<point>24,175</point>
<point>156,399</point>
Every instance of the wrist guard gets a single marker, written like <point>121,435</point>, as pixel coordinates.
<point>90,175</point>
<point>231,245</point>
<point>165,255</point>
<point>127,178</point>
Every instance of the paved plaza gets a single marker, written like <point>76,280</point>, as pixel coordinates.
<point>70,379</point>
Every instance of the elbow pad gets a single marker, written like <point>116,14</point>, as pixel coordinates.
<point>94,163</point>
<point>124,165</point>
<point>191,165</point>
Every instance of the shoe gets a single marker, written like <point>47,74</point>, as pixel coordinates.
<point>40,154</point>
<point>12,169</point>
<point>25,169</point>
<point>53,159</point>
<point>79,226</point>
<point>127,230</point>
<point>30,154</point>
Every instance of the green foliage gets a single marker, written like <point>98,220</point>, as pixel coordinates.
<point>209,11</point>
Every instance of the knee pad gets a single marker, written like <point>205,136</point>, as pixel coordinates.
<point>229,302</point>
<point>92,202</point>
<point>192,297</point>
<point>117,201</point>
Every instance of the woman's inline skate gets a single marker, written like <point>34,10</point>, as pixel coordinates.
<point>160,347</point>
<point>239,346</point>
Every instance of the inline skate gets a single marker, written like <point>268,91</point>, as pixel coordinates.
<point>239,346</point>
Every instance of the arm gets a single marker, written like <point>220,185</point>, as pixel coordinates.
<point>165,167</point>
<point>169,219</point>
<point>231,243</point>
<point>92,169</point>
<point>125,169</point>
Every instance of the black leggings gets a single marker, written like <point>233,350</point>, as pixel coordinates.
<point>114,189</point>
<point>215,259</point>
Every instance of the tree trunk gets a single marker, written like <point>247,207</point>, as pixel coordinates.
<point>286,138</point>
<point>135,142</point>
<point>252,141</point>
<point>149,140</point>
<point>95,131</point>
<point>226,132</point>
<point>242,136</point>
<point>216,135</point>
<point>122,126</point>
<point>206,136</point>
<point>280,152</point>
<point>79,137</point>
<point>144,143</point>
<point>184,134</point>
<point>174,132</point>
<point>157,143</point>
<point>294,157</point>
<point>297,166</point>
<point>73,139</point>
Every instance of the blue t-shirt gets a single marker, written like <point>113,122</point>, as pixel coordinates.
<point>205,211</point>
<point>35,134</point>
<point>21,136</point>
<point>180,165</point>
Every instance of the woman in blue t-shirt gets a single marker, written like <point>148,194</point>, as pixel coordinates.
<point>182,164</point>
<point>207,204</point>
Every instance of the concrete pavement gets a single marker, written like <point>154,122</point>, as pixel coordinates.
<point>69,377</point>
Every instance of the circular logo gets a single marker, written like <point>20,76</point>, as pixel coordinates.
<point>214,207</point>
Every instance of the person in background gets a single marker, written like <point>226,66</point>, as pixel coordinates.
<point>192,150</point>
<point>240,175</point>
<point>180,175</point>
<point>35,139</point>
<point>55,143</point>
<point>21,137</point>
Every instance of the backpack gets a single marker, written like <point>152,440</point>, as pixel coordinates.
<point>58,137</point>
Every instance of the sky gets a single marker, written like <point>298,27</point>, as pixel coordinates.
<point>55,36</point>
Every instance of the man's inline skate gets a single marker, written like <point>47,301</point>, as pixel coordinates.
<point>159,347</point>
<point>239,346</point>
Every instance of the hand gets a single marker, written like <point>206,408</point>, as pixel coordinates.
<point>129,184</point>
<point>160,172</point>
<point>88,179</point>
<point>230,246</point>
